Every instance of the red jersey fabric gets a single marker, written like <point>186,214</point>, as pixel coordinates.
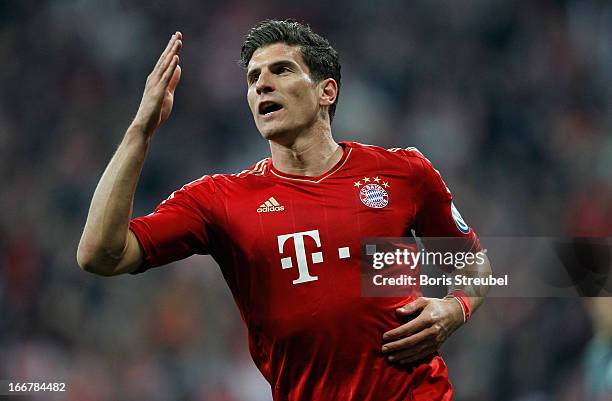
<point>289,248</point>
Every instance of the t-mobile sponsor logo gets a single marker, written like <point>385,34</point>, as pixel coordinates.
<point>300,254</point>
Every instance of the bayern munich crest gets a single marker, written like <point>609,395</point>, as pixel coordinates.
<point>372,192</point>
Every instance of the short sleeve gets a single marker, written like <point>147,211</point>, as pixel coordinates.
<point>178,228</point>
<point>437,216</point>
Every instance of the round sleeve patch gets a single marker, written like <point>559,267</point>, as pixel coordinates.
<point>459,222</point>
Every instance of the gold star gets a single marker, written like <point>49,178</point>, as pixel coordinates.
<point>357,184</point>
<point>366,179</point>
<point>386,185</point>
<point>376,179</point>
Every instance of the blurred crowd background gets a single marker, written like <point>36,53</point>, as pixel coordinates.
<point>511,101</point>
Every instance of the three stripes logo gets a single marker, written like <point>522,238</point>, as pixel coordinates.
<point>271,205</point>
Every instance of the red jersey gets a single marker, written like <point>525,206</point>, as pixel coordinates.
<point>289,248</point>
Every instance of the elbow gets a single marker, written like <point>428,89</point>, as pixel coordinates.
<point>91,260</point>
<point>488,265</point>
<point>84,260</point>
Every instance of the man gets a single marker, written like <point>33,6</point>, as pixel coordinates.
<point>287,231</point>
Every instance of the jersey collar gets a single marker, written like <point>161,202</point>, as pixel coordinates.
<point>293,177</point>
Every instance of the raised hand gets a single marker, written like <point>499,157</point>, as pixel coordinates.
<point>158,96</point>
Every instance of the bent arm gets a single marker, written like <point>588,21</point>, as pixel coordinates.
<point>107,246</point>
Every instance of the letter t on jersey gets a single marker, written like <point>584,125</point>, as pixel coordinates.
<point>300,254</point>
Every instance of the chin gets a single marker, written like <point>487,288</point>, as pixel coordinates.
<point>273,131</point>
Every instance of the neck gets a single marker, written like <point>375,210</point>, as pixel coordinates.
<point>311,153</point>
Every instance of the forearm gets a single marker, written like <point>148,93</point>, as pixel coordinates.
<point>104,238</point>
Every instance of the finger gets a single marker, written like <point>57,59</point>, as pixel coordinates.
<point>166,50</point>
<point>170,70</point>
<point>413,306</point>
<point>410,342</point>
<point>162,65</point>
<point>176,77</point>
<point>177,36</point>
<point>421,355</point>
<point>413,350</point>
<point>169,57</point>
<point>419,323</point>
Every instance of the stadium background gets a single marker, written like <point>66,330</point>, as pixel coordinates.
<point>510,100</point>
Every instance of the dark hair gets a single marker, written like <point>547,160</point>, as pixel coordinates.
<point>320,57</point>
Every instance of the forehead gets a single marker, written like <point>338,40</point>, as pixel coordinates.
<point>276,52</point>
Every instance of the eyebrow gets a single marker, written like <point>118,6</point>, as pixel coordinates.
<point>278,63</point>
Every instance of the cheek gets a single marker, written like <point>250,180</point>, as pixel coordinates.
<point>250,99</point>
<point>310,101</point>
<point>306,98</point>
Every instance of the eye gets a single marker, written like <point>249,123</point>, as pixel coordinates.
<point>282,69</point>
<point>252,78</point>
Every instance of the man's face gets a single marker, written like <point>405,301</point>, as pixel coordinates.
<point>281,94</point>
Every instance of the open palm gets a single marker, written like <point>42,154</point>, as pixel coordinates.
<point>158,97</point>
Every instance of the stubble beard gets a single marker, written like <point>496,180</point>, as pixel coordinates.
<point>287,135</point>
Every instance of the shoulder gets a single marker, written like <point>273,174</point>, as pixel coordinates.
<point>202,192</point>
<point>255,170</point>
<point>211,183</point>
<point>401,156</point>
<point>408,162</point>
<point>385,152</point>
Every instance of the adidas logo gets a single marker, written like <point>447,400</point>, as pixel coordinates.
<point>271,205</point>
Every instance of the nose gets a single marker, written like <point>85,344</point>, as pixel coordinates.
<point>264,84</point>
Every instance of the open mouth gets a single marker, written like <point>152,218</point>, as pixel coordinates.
<point>269,107</point>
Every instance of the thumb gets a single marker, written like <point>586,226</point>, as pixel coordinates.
<point>413,306</point>
<point>176,77</point>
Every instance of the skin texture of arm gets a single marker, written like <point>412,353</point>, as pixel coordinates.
<point>107,246</point>
<point>433,321</point>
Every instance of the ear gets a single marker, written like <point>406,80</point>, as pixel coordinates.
<point>329,92</point>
